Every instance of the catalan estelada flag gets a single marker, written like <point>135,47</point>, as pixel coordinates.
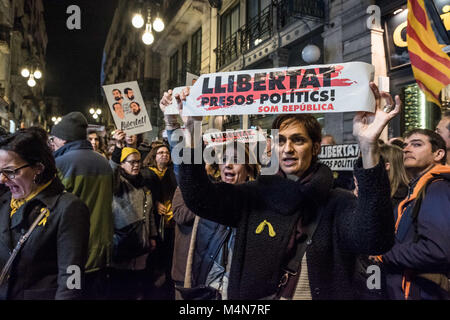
<point>430,64</point>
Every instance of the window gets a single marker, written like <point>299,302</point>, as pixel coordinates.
<point>254,8</point>
<point>196,52</point>
<point>173,68</point>
<point>184,62</point>
<point>229,23</point>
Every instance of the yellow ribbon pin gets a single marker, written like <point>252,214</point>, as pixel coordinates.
<point>261,226</point>
<point>44,219</point>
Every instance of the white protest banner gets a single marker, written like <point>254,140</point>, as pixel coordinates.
<point>339,157</point>
<point>243,136</point>
<point>127,107</point>
<point>308,89</point>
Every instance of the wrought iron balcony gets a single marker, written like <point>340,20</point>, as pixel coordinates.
<point>288,9</point>
<point>257,30</point>
<point>228,50</point>
<point>260,28</point>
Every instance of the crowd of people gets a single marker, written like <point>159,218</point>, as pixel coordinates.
<point>84,217</point>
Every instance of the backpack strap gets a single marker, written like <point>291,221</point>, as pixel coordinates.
<point>418,203</point>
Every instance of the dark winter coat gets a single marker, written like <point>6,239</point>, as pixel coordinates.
<point>347,227</point>
<point>86,174</point>
<point>132,202</point>
<point>211,236</point>
<point>41,269</point>
<point>430,254</point>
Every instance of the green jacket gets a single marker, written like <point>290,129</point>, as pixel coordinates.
<point>88,175</point>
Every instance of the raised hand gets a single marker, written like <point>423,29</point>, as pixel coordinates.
<point>171,120</point>
<point>367,126</point>
<point>119,136</point>
<point>187,120</point>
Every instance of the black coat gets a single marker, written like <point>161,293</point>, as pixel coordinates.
<point>40,269</point>
<point>348,226</point>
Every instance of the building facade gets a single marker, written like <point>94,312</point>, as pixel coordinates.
<point>225,35</point>
<point>126,58</point>
<point>23,43</point>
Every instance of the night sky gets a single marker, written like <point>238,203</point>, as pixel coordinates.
<point>73,59</point>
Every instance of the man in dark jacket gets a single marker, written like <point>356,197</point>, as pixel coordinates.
<point>88,175</point>
<point>418,264</point>
<point>274,214</point>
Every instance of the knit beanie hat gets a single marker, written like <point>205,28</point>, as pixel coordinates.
<point>72,127</point>
<point>126,152</point>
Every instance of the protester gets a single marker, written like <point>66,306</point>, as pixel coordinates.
<point>417,266</point>
<point>398,178</point>
<point>327,139</point>
<point>158,170</point>
<point>274,214</point>
<point>443,129</point>
<point>96,141</point>
<point>134,224</point>
<point>58,223</point>
<point>88,175</point>
<point>207,267</point>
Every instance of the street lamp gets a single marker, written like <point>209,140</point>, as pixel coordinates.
<point>56,120</point>
<point>31,75</point>
<point>31,82</point>
<point>95,113</point>
<point>25,73</point>
<point>158,24</point>
<point>138,20</point>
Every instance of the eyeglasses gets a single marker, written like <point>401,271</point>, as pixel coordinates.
<point>11,174</point>
<point>134,162</point>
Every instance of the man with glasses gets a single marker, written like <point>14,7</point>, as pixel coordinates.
<point>418,265</point>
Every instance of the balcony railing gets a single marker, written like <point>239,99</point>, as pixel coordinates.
<point>260,28</point>
<point>289,9</point>
<point>257,30</point>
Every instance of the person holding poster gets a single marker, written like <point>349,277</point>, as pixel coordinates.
<point>297,238</point>
<point>130,114</point>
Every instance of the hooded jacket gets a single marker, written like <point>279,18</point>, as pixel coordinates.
<point>348,226</point>
<point>88,175</point>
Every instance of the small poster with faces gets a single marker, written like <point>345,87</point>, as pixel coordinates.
<point>127,107</point>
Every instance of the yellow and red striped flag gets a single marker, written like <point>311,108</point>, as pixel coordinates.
<point>430,64</point>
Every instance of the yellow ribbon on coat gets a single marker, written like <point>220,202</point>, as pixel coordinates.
<point>44,219</point>
<point>261,227</point>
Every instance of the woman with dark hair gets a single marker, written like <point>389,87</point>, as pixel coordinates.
<point>203,263</point>
<point>296,236</point>
<point>47,228</point>
<point>97,142</point>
